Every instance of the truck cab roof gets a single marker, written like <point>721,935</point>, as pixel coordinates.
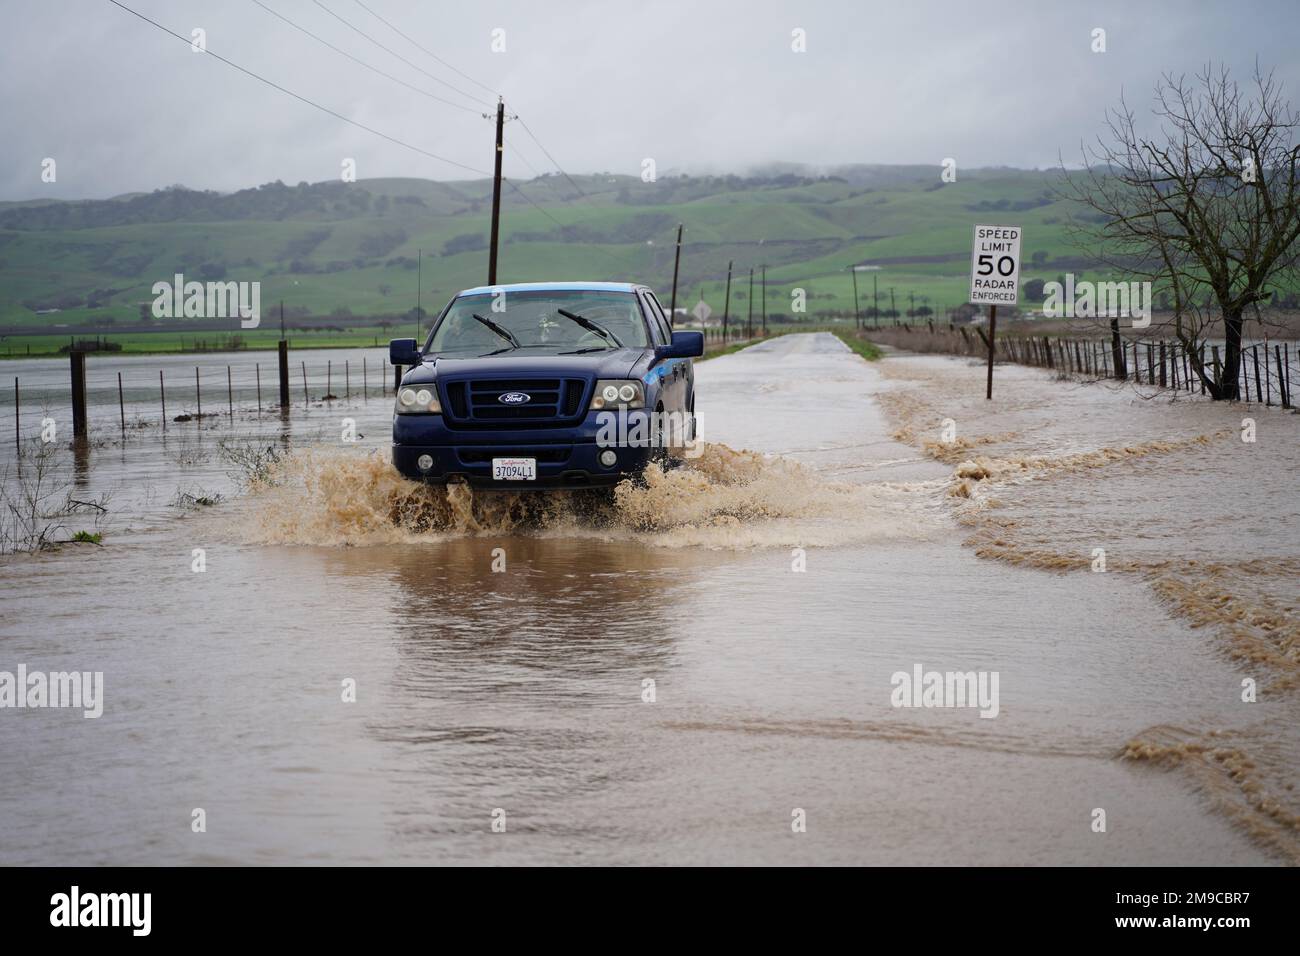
<point>553,287</point>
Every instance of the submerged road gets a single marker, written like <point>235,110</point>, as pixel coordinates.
<point>684,695</point>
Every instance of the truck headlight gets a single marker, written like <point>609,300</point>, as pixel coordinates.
<point>618,393</point>
<point>417,401</point>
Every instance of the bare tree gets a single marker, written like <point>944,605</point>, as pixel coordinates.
<point>36,502</point>
<point>1206,206</point>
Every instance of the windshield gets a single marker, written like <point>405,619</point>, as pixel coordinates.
<point>535,321</point>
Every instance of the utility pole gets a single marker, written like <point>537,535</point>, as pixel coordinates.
<point>893,308</point>
<point>496,196</point>
<point>911,298</point>
<point>419,281</point>
<point>749,323</point>
<point>726,304</point>
<point>677,261</point>
<point>764,287</point>
<point>875,299</point>
<point>857,316</point>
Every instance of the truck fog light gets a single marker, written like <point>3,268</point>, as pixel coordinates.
<point>425,462</point>
<point>608,458</point>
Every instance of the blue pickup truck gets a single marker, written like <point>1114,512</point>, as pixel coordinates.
<point>543,385</point>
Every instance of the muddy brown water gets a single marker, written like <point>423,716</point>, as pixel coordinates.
<point>524,690</point>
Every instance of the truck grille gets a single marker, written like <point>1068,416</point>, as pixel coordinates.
<point>477,401</point>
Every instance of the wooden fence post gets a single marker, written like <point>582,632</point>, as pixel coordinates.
<point>283,354</point>
<point>78,359</point>
<point>1284,397</point>
<point>1286,354</point>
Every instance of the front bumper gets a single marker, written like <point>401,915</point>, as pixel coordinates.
<point>567,458</point>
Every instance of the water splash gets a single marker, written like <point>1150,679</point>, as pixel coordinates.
<point>722,499</point>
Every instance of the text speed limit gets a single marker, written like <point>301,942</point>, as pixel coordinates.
<point>995,265</point>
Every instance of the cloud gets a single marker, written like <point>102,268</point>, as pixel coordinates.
<point>123,107</point>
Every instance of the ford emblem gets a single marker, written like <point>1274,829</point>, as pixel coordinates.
<point>514,398</point>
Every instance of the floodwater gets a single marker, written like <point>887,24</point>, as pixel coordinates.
<point>502,649</point>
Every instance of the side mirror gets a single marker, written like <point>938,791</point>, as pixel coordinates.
<point>684,345</point>
<point>403,352</point>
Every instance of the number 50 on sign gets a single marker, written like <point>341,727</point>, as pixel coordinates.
<point>995,265</point>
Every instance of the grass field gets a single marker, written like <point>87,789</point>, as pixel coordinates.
<point>332,246</point>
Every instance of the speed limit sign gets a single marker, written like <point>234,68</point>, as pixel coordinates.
<point>995,265</point>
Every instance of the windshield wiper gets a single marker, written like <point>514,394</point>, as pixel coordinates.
<point>594,348</point>
<point>499,330</point>
<point>591,326</point>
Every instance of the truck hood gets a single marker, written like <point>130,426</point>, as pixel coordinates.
<point>617,363</point>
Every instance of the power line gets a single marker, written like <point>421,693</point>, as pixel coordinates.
<point>529,199</point>
<point>423,49</point>
<point>552,158</point>
<point>449,66</point>
<point>613,255</point>
<point>312,103</point>
<point>392,52</point>
<point>440,60</point>
<point>351,122</point>
<point>522,157</point>
<point>374,69</point>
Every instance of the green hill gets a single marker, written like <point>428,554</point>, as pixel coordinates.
<point>329,247</point>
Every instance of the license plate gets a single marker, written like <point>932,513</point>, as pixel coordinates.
<point>514,469</point>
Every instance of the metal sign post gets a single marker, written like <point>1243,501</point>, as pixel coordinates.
<point>994,277</point>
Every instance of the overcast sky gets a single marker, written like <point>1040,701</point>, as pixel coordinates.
<point>697,85</point>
